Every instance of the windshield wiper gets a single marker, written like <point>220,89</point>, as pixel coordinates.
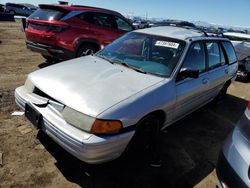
<point>134,68</point>
<point>105,58</point>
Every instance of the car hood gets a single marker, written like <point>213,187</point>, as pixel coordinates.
<point>90,84</point>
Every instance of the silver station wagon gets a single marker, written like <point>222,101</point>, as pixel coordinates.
<point>98,106</point>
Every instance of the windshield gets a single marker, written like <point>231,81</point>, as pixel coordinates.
<point>145,53</point>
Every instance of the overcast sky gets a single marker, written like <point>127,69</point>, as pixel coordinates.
<point>226,12</point>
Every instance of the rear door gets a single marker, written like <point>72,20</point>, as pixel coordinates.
<point>191,92</point>
<point>231,58</point>
<point>104,27</point>
<point>99,26</point>
<point>217,66</point>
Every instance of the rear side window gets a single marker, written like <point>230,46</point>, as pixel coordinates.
<point>213,51</point>
<point>46,14</point>
<point>15,5</point>
<point>222,56</point>
<point>104,20</point>
<point>230,52</point>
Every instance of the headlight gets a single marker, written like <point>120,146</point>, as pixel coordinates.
<point>78,119</point>
<point>90,124</point>
<point>29,85</point>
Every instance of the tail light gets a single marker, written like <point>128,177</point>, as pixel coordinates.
<point>248,106</point>
<point>57,28</point>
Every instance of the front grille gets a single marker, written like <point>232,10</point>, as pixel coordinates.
<point>42,94</point>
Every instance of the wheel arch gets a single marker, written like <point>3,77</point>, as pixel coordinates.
<point>158,113</point>
<point>227,83</point>
<point>82,42</point>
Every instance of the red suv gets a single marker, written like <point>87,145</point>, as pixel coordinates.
<point>64,32</point>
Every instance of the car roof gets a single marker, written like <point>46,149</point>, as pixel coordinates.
<point>78,8</point>
<point>180,33</point>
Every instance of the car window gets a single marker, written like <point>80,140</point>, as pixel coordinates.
<point>99,19</point>
<point>123,25</point>
<point>148,54</point>
<point>195,59</point>
<point>230,52</point>
<point>46,14</point>
<point>213,53</point>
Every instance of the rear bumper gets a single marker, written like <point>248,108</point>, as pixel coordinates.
<point>226,174</point>
<point>234,161</point>
<point>51,51</point>
<point>87,147</point>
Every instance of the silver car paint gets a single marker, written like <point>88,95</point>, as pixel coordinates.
<point>89,84</point>
<point>176,99</point>
<point>236,150</point>
<point>85,146</point>
<point>95,87</point>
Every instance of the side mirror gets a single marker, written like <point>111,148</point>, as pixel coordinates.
<point>188,73</point>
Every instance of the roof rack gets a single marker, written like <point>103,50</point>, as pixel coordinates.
<point>204,32</point>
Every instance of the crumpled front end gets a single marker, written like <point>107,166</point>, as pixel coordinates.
<point>85,146</point>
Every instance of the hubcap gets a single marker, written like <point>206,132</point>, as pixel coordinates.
<point>87,52</point>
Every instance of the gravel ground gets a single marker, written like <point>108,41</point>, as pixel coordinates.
<point>189,151</point>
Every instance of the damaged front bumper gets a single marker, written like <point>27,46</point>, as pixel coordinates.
<point>85,146</point>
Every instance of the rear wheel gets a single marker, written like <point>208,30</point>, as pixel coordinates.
<point>223,92</point>
<point>86,49</point>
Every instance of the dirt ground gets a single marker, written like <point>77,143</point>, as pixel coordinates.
<point>189,151</point>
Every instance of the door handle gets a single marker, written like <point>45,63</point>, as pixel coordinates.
<point>205,80</point>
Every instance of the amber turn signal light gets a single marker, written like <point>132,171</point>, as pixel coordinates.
<point>105,126</point>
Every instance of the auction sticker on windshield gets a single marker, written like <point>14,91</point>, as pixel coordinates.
<point>167,44</point>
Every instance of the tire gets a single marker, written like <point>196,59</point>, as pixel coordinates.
<point>146,137</point>
<point>223,92</point>
<point>86,49</point>
<point>12,12</point>
<point>50,59</point>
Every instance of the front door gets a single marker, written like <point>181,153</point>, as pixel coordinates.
<point>191,92</point>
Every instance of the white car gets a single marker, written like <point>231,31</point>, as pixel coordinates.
<point>140,24</point>
<point>241,43</point>
<point>98,106</point>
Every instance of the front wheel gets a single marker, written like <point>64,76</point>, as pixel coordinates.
<point>146,137</point>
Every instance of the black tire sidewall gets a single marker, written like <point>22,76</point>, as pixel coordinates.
<point>142,140</point>
<point>12,12</point>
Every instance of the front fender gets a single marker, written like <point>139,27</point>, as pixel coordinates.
<point>131,110</point>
